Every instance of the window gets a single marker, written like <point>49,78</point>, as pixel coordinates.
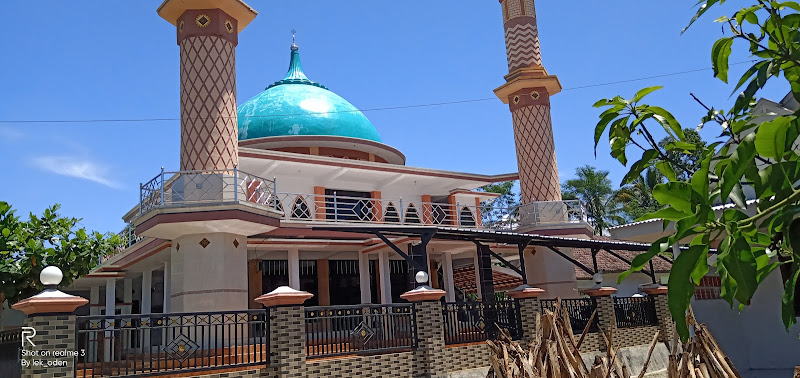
<point>345,282</point>
<point>391,215</point>
<point>300,209</point>
<point>411,214</point>
<point>466,218</point>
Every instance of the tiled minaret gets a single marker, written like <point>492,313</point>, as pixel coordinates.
<point>207,40</point>
<point>527,92</point>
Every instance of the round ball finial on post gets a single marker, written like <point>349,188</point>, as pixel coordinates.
<point>51,276</point>
<point>421,277</point>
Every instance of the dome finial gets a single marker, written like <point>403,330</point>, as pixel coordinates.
<point>294,45</point>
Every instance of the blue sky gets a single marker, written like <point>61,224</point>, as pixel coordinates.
<point>119,60</point>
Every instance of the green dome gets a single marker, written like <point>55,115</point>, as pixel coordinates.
<point>299,106</point>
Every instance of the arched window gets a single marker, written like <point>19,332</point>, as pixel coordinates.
<point>412,216</point>
<point>275,203</point>
<point>466,218</point>
<point>391,215</point>
<point>300,209</point>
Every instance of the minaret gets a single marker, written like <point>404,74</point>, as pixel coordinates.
<point>207,40</point>
<point>527,92</point>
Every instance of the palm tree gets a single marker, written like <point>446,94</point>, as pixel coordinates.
<point>593,188</point>
<point>637,196</point>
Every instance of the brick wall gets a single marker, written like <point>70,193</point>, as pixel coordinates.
<point>381,365</point>
<point>430,337</point>
<point>54,333</point>
<point>288,341</point>
<point>464,357</point>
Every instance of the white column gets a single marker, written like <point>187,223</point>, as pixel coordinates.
<point>94,309</point>
<point>127,296</point>
<point>477,274</point>
<point>386,282</point>
<point>94,300</point>
<point>167,287</point>
<point>363,276</point>
<point>294,269</point>
<point>147,292</point>
<point>449,280</point>
<point>111,298</point>
<point>147,303</point>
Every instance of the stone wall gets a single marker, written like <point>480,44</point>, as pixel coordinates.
<point>464,357</point>
<point>380,365</point>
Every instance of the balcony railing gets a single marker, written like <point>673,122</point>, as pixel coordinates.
<point>192,188</point>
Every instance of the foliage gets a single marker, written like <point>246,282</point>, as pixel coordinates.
<point>637,197</point>
<point>508,198</point>
<point>690,159</point>
<point>755,152</point>
<point>26,247</point>
<point>593,188</point>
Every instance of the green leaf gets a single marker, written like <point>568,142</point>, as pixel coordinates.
<point>794,237</point>
<point>668,213</point>
<point>666,169</point>
<point>668,122</point>
<point>601,127</point>
<point>741,265</point>
<point>770,139</point>
<point>638,262</point>
<point>681,287</point>
<point>739,161</point>
<point>720,55</point>
<point>638,167</point>
<point>675,194</point>
<point>644,92</point>
<point>703,8</point>
<point>788,300</point>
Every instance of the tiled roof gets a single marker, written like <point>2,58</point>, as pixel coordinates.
<point>464,280</point>
<point>607,263</point>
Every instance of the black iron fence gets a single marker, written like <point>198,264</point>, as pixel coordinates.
<point>635,311</point>
<point>359,329</point>
<point>10,353</point>
<point>156,344</point>
<point>580,311</point>
<point>472,322</point>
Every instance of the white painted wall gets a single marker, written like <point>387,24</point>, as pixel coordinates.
<point>755,339</point>
<point>551,272</point>
<point>626,288</point>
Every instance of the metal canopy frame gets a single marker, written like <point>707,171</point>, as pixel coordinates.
<point>428,233</point>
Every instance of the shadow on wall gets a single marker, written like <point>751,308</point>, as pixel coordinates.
<point>755,339</point>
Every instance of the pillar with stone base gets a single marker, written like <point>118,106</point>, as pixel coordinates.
<point>287,331</point>
<point>429,352</point>
<point>606,317</point>
<point>665,323</point>
<point>529,311</point>
<point>49,329</point>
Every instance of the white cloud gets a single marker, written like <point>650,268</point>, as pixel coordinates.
<point>74,167</point>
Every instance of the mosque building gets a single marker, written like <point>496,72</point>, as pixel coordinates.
<point>295,187</point>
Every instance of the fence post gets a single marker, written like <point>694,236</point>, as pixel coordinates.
<point>529,307</point>
<point>287,331</point>
<point>429,353</point>
<point>665,323</point>
<point>49,328</point>
<point>236,184</point>
<point>606,318</point>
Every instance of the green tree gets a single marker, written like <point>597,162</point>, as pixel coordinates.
<point>690,159</point>
<point>753,152</point>
<point>593,188</point>
<point>637,197</point>
<point>508,198</point>
<point>26,247</point>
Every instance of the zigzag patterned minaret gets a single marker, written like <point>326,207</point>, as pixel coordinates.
<point>527,91</point>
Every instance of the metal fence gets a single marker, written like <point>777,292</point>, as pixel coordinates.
<point>579,310</point>
<point>635,311</point>
<point>191,188</point>
<point>10,353</point>
<point>473,322</point>
<point>156,344</point>
<point>359,329</point>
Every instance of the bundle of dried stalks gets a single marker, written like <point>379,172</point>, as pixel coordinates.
<point>555,352</point>
<point>701,356</point>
